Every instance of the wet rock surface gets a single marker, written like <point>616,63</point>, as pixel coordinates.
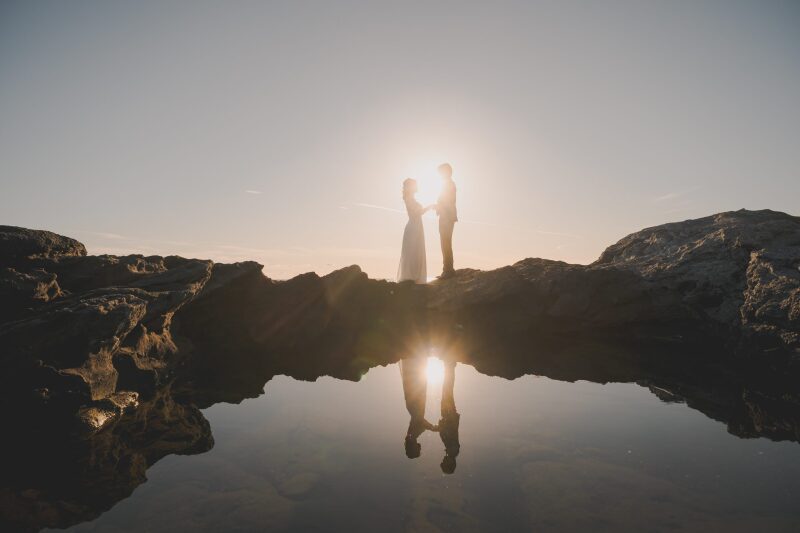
<point>105,360</point>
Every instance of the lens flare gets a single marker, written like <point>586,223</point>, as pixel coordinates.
<point>430,186</point>
<point>429,183</point>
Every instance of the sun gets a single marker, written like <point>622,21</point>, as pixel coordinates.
<point>429,184</point>
<point>429,187</point>
<point>434,371</point>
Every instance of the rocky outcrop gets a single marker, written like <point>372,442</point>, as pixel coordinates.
<point>77,329</point>
<point>739,270</point>
<point>731,281</point>
<point>21,245</point>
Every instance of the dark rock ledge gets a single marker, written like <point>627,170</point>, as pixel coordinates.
<point>110,357</point>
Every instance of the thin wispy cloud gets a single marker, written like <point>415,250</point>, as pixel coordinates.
<point>674,195</point>
<point>253,191</point>
<point>101,234</point>
<point>668,196</point>
<point>380,207</point>
<point>677,201</point>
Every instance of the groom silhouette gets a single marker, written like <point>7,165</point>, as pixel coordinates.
<point>448,216</point>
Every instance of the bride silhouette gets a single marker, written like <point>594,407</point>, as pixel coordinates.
<point>412,258</point>
<point>415,391</point>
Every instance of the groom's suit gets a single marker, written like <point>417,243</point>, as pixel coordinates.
<point>448,216</point>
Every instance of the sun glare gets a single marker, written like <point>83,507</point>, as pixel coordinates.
<point>429,183</point>
<point>429,188</point>
<point>434,370</point>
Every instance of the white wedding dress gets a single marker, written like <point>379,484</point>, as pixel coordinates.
<point>412,258</point>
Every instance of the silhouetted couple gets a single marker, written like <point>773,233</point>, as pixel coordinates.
<point>415,390</point>
<point>413,264</point>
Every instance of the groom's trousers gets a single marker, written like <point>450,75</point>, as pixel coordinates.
<point>446,237</point>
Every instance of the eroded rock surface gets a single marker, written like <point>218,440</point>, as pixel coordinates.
<point>20,245</point>
<point>78,329</point>
<point>740,270</point>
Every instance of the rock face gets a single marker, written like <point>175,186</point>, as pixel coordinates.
<point>739,270</point>
<point>79,329</point>
<point>20,245</point>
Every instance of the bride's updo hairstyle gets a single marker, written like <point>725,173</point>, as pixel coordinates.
<point>409,188</point>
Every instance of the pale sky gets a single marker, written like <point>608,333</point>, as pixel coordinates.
<point>281,131</point>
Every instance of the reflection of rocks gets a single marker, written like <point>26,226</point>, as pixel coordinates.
<point>750,400</point>
<point>49,481</point>
<point>749,409</point>
<point>341,325</point>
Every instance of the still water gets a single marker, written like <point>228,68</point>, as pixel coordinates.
<point>535,455</point>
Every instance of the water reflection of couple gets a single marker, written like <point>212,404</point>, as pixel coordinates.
<point>415,390</point>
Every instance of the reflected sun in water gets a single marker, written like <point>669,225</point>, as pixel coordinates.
<point>434,370</point>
